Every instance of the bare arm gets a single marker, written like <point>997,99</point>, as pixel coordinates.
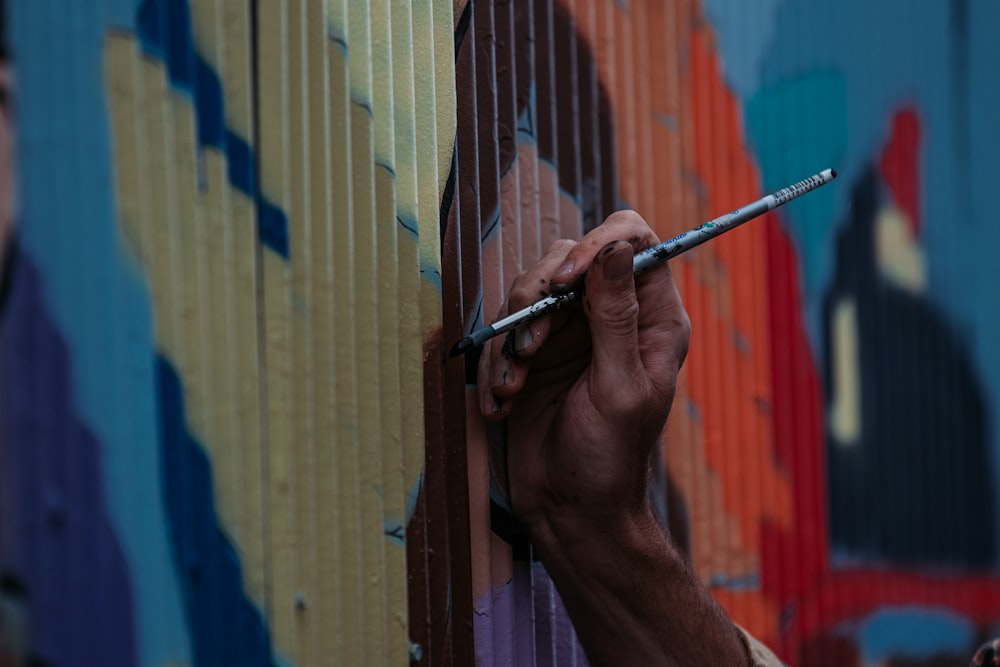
<point>632,598</point>
<point>586,394</point>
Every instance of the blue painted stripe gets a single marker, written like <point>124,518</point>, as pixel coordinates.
<point>746,582</point>
<point>491,227</point>
<point>164,30</point>
<point>394,530</point>
<point>914,632</point>
<point>431,273</point>
<point>240,159</point>
<point>409,224</point>
<point>668,120</point>
<point>226,628</point>
<point>210,106</point>
<point>67,174</point>
<point>273,227</point>
<point>340,42</point>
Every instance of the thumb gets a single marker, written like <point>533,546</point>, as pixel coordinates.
<point>613,311</point>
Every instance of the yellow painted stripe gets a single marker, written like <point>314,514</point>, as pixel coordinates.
<point>433,163</point>
<point>370,432</point>
<point>410,347</point>
<point>233,58</point>
<point>195,287</point>
<point>348,526</point>
<point>300,451</point>
<point>217,320</point>
<point>325,580</point>
<point>249,495</point>
<point>123,100</point>
<point>390,278</point>
<point>273,71</point>
<point>302,376</point>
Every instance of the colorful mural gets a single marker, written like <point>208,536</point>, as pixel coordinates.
<point>830,461</point>
<point>213,367</point>
<point>238,237</point>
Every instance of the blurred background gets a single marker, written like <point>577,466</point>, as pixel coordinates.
<point>238,238</point>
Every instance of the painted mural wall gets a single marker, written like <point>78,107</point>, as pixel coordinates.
<point>221,279</point>
<point>238,238</point>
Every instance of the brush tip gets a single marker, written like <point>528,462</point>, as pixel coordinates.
<point>461,346</point>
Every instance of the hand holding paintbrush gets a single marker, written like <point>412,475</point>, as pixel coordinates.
<point>651,257</point>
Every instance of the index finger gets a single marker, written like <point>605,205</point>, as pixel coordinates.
<point>619,226</point>
<point>503,363</point>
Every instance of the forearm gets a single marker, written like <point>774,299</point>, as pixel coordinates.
<point>631,596</point>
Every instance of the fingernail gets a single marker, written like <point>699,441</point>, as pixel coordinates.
<point>617,261</point>
<point>560,288</point>
<point>502,373</point>
<point>509,348</point>
<point>562,279</point>
<point>523,338</point>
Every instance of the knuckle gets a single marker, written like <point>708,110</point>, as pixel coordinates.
<point>621,316</point>
<point>518,280</point>
<point>629,226</point>
<point>561,246</point>
<point>628,220</point>
<point>626,217</point>
<point>520,297</point>
<point>520,292</point>
<point>641,406</point>
<point>680,323</point>
<point>626,312</point>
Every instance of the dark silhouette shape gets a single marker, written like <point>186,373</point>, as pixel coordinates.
<point>914,489</point>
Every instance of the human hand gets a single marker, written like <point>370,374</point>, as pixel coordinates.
<point>586,390</point>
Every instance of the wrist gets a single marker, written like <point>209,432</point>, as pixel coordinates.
<point>627,573</point>
<point>590,510</point>
<point>571,537</point>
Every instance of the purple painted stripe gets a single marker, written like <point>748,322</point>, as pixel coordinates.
<point>56,538</point>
